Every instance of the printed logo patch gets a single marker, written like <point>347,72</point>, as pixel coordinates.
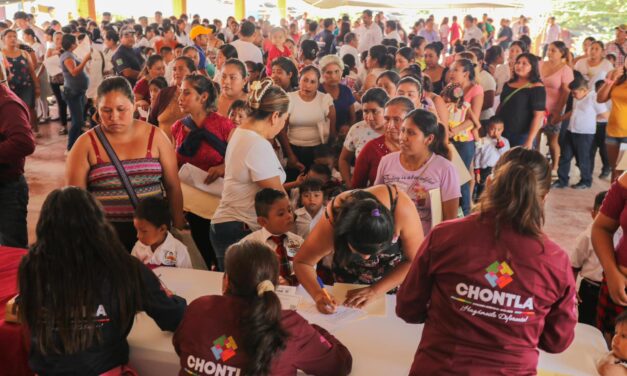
<point>224,348</point>
<point>499,274</point>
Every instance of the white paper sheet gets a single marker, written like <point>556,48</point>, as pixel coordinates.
<point>331,322</point>
<point>53,65</point>
<point>83,48</point>
<point>375,307</point>
<point>195,177</point>
<point>288,297</point>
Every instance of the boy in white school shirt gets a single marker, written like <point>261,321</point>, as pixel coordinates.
<point>155,245</point>
<point>311,208</point>
<point>493,146</point>
<point>580,134</point>
<point>276,218</point>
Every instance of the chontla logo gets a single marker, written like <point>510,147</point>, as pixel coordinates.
<point>208,367</point>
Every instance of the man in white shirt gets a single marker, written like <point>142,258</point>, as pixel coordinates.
<point>369,33</point>
<point>552,34</point>
<point>471,31</point>
<point>246,49</point>
<point>391,31</point>
<point>350,45</point>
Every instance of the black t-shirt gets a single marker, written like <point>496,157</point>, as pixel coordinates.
<point>517,113</point>
<point>126,57</point>
<point>505,31</point>
<point>113,350</point>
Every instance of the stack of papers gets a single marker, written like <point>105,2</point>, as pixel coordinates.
<point>195,177</point>
<point>376,307</point>
<point>331,322</point>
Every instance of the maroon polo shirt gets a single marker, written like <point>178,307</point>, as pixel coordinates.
<point>16,136</point>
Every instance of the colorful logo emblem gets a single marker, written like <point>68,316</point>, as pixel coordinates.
<point>499,274</point>
<point>224,348</point>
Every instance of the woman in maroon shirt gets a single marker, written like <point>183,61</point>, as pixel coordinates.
<point>200,139</point>
<point>367,162</point>
<point>504,288</point>
<point>245,331</point>
<point>154,67</point>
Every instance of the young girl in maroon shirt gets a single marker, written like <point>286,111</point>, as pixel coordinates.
<point>502,286</point>
<point>245,332</point>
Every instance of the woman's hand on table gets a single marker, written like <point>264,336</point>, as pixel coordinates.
<point>358,298</point>
<point>214,173</point>
<point>325,302</point>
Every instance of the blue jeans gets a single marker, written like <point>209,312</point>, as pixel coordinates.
<point>76,103</point>
<point>516,139</point>
<point>223,235</point>
<point>466,151</point>
<point>14,203</point>
<point>578,146</point>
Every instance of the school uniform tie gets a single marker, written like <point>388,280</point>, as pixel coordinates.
<point>285,269</point>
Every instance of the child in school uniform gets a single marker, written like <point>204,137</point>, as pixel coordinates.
<point>155,244</point>
<point>580,134</point>
<point>494,145</point>
<point>615,362</point>
<point>586,263</point>
<point>599,137</point>
<point>316,171</point>
<point>245,331</point>
<point>311,206</point>
<point>276,218</point>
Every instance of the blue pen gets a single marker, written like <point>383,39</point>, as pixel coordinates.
<point>326,293</point>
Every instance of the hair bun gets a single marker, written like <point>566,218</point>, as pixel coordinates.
<point>258,89</point>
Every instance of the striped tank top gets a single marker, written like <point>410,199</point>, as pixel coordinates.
<point>105,184</point>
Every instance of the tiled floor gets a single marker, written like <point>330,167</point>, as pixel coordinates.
<point>567,210</point>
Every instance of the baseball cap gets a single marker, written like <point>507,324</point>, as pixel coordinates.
<point>622,27</point>
<point>199,30</point>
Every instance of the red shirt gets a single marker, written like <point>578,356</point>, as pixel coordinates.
<point>487,304</point>
<point>209,338</point>
<point>614,206</point>
<point>16,136</point>
<point>365,172</point>
<point>142,87</point>
<point>455,32</point>
<point>206,156</point>
<point>274,53</point>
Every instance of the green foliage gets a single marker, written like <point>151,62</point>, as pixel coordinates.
<point>596,18</point>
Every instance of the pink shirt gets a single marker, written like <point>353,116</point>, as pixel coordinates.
<point>487,304</point>
<point>552,85</point>
<point>438,172</point>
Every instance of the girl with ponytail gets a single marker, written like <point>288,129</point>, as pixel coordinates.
<point>499,251</point>
<point>257,337</point>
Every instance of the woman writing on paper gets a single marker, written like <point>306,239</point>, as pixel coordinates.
<point>257,337</point>
<point>200,138</point>
<point>503,286</point>
<point>421,166</point>
<point>375,235</point>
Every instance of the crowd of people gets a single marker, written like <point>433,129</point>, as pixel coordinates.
<point>330,137</point>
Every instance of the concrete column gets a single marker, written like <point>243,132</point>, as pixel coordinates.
<point>282,7</point>
<point>179,7</point>
<point>86,8</point>
<point>240,9</point>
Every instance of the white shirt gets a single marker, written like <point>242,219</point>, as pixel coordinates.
<point>593,74</point>
<point>358,136</point>
<point>347,49</point>
<point>305,222</point>
<point>292,242</point>
<point>501,75</point>
<point>249,158</point>
<point>488,154</point>
<point>169,72</point>
<point>171,253</point>
<point>584,114</point>
<point>308,123</point>
<point>584,257</point>
<point>247,51</point>
<point>94,69</point>
<point>369,36</point>
<point>552,34</point>
<point>487,82</point>
<point>473,32</point>
<point>394,35</point>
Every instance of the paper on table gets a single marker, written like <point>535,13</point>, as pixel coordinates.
<point>53,65</point>
<point>287,296</point>
<point>194,176</point>
<point>198,202</point>
<point>436,206</point>
<point>83,48</point>
<point>375,308</point>
<point>332,322</point>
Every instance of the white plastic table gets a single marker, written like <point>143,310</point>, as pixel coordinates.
<point>379,345</point>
